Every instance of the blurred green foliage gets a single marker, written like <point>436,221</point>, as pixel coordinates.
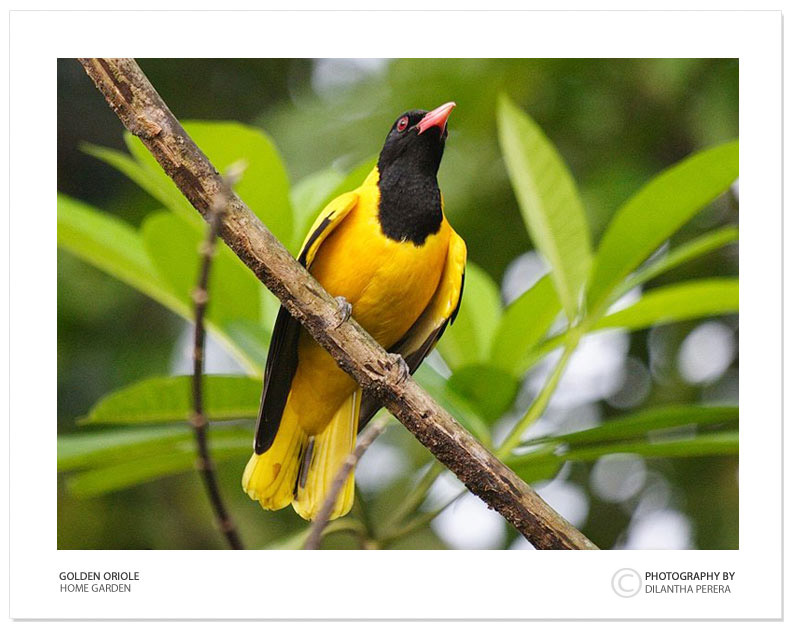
<point>598,130</point>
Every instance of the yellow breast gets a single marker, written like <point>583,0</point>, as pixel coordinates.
<point>389,283</point>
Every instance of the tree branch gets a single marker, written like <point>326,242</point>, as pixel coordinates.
<point>199,420</point>
<point>142,111</point>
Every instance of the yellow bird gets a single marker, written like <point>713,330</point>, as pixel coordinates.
<point>386,250</point>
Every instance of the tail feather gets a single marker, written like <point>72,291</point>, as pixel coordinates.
<point>323,460</point>
<point>270,477</point>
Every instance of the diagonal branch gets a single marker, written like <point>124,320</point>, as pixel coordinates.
<point>143,112</point>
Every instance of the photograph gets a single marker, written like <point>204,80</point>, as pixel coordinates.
<point>397,303</point>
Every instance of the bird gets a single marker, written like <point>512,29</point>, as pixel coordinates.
<point>392,260</point>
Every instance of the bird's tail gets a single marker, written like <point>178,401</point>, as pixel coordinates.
<point>270,477</point>
<point>300,469</point>
<point>322,460</point>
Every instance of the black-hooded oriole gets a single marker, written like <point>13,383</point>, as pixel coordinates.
<point>387,248</point>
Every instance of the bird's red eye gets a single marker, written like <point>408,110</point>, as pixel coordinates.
<point>402,124</point>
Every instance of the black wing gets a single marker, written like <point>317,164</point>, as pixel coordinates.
<point>278,373</point>
<point>282,355</point>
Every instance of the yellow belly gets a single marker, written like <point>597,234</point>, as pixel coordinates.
<point>388,283</point>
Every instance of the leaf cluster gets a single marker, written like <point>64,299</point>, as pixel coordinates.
<point>139,433</point>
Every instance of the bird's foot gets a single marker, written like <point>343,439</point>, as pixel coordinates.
<point>403,370</point>
<point>344,311</point>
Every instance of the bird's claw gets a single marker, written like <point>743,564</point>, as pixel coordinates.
<point>344,311</point>
<point>403,370</point>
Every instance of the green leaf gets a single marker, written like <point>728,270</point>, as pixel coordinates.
<point>525,322</point>
<point>133,472</point>
<point>539,465</point>
<point>264,185</point>
<point>251,338</point>
<point>81,450</point>
<point>147,174</point>
<point>665,305</point>
<point>693,249</point>
<point>642,422</point>
<point>451,401</point>
<point>297,539</point>
<point>351,181</point>
<point>105,447</point>
<point>549,201</point>
<point>169,399</point>
<point>173,246</point>
<point>269,306</point>
<point>706,444</point>
<point>489,390</point>
<point>541,470</point>
<point>677,302</point>
<point>714,443</point>
<point>469,339</point>
<point>345,183</point>
<point>116,248</point>
<point>122,475</point>
<point>658,210</point>
<point>294,540</point>
<point>307,195</point>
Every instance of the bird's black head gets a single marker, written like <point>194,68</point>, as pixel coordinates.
<point>410,200</point>
<point>415,142</point>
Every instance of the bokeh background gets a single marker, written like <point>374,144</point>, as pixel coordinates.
<point>616,123</point>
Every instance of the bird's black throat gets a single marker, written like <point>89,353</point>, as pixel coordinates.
<point>410,201</point>
<point>410,204</point>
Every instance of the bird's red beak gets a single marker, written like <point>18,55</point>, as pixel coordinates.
<point>436,118</point>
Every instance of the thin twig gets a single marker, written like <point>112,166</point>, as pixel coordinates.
<point>540,403</point>
<point>362,506</point>
<point>137,104</point>
<point>414,498</point>
<point>420,520</point>
<point>199,421</point>
<point>365,439</point>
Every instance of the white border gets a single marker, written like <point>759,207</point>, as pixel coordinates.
<point>420,584</point>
